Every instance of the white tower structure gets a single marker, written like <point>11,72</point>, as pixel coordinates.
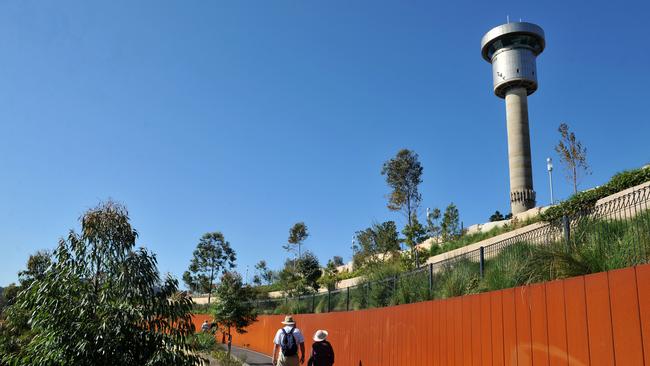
<point>512,49</point>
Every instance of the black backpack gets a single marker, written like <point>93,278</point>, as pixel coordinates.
<point>288,344</point>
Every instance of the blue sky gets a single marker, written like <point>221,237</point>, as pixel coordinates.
<point>246,117</point>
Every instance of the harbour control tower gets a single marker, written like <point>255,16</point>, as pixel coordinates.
<point>512,49</point>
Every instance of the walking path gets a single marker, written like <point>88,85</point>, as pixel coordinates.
<point>251,358</point>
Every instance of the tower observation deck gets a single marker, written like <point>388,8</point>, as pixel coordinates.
<point>512,49</point>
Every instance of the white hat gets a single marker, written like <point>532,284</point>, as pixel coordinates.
<point>320,335</point>
<point>288,320</point>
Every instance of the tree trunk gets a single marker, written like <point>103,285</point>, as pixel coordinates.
<point>229,342</point>
<point>211,279</point>
<point>575,180</point>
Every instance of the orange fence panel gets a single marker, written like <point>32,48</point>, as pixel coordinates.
<point>444,337</point>
<point>486,329</point>
<point>643,289</point>
<point>522,315</point>
<point>576,321</point>
<point>435,332</point>
<point>449,332</point>
<point>467,330</point>
<point>556,323</point>
<point>475,306</point>
<point>625,317</point>
<point>599,322</point>
<point>458,329</point>
<point>509,328</point>
<point>496,316</point>
<point>425,326</point>
<point>538,325</point>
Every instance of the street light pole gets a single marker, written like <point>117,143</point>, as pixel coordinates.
<point>549,167</point>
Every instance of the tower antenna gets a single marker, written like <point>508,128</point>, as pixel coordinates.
<point>507,18</point>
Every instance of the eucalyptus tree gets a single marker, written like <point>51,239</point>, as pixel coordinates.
<point>264,273</point>
<point>404,175</point>
<point>234,308</point>
<point>212,256</point>
<point>374,243</point>
<point>37,265</point>
<point>433,222</point>
<point>102,302</point>
<point>297,235</point>
<point>337,261</point>
<point>300,276</point>
<point>450,226</point>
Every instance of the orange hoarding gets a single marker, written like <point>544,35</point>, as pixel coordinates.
<point>600,319</point>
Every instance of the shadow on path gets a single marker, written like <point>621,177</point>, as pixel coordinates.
<point>249,357</point>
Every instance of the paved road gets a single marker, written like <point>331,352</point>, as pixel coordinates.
<point>251,358</point>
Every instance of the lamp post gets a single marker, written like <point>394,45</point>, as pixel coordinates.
<point>549,167</point>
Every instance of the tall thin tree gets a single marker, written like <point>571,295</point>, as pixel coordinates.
<point>572,154</point>
<point>404,175</point>
<point>297,235</point>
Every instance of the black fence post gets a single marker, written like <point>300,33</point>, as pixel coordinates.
<point>347,301</point>
<point>566,224</point>
<point>431,280</point>
<point>481,257</point>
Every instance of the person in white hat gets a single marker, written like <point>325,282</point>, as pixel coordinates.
<point>322,353</point>
<point>287,340</point>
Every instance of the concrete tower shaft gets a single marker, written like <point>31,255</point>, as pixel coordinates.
<point>522,195</point>
<point>512,50</point>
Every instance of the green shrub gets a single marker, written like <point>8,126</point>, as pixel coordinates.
<point>585,201</point>
<point>276,286</point>
<point>379,283</point>
<point>204,342</point>
<point>550,262</point>
<point>202,308</point>
<point>293,307</point>
<point>595,246</point>
<point>459,278</point>
<point>224,360</point>
<point>481,235</point>
<point>411,288</point>
<point>506,269</point>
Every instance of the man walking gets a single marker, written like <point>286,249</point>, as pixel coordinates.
<point>286,341</point>
<point>205,327</point>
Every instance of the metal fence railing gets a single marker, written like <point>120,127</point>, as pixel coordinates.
<point>611,235</point>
